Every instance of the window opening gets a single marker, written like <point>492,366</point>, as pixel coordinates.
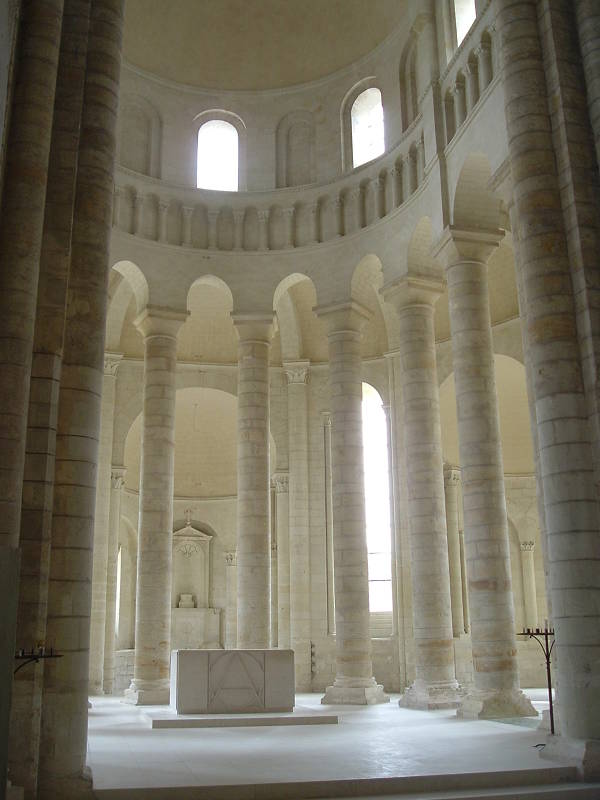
<point>217,166</point>
<point>118,596</point>
<point>368,136</point>
<point>377,500</point>
<point>465,14</point>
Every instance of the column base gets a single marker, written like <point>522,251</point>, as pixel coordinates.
<point>153,693</point>
<point>490,704</point>
<point>71,787</point>
<point>583,754</point>
<point>431,697</point>
<point>340,695</point>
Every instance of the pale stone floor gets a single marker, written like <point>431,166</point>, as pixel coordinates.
<point>369,742</point>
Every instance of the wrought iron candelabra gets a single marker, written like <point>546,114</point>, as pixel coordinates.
<point>542,637</point>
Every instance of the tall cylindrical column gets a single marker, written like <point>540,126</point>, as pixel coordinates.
<point>231,600</point>
<point>38,479</point>
<point>529,590</point>
<point>557,381</point>
<point>496,690</point>
<point>117,478</point>
<point>253,498</point>
<point>297,376</point>
<point>63,742</point>
<point>282,516</point>
<point>102,524</point>
<point>435,683</point>
<point>21,225</point>
<point>354,681</point>
<point>451,480</point>
<point>150,684</point>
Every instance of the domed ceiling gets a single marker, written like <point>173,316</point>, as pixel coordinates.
<point>253,44</point>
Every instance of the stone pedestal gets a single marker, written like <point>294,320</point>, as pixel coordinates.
<point>150,683</point>
<point>232,681</point>
<point>354,681</point>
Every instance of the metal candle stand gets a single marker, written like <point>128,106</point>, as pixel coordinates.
<point>541,637</point>
<point>33,657</point>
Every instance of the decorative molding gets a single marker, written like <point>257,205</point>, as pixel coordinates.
<point>111,363</point>
<point>451,474</point>
<point>297,371</point>
<point>231,559</point>
<point>527,546</point>
<point>281,482</point>
<point>117,477</point>
<point>188,547</point>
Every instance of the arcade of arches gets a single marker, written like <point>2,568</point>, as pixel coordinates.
<point>182,366</point>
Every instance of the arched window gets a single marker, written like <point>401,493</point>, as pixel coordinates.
<point>465,14</point>
<point>368,136</point>
<point>217,156</point>
<point>377,500</point>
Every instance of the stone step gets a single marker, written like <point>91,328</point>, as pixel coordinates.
<point>563,791</point>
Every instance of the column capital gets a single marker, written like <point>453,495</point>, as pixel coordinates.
<point>412,290</point>
<point>339,317</point>
<point>160,321</point>
<point>527,546</point>
<point>253,326</point>
<point>111,363</point>
<point>297,371</point>
<point>117,476</point>
<point>231,559</point>
<point>280,482</point>
<point>457,245</point>
<point>451,474</point>
<point>326,419</point>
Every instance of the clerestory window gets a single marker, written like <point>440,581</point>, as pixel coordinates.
<point>218,148</point>
<point>368,135</point>
<point>377,500</point>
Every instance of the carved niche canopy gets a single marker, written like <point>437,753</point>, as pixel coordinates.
<point>191,563</point>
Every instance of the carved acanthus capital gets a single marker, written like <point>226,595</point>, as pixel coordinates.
<point>296,371</point>
<point>117,477</point>
<point>281,482</point>
<point>527,546</point>
<point>451,475</point>
<point>111,363</point>
<point>231,559</point>
<point>326,417</point>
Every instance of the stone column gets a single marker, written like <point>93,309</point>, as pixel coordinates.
<point>529,590</point>
<point>253,499</point>
<point>496,690</point>
<point>150,684</point>
<point>463,567</point>
<point>588,24</point>
<point>117,479</point>
<point>392,486</point>
<point>297,374</point>
<point>163,220</point>
<point>231,601</point>
<point>102,524</point>
<point>21,225</point>
<point>354,681</point>
<point>451,480</point>
<point>63,741</point>
<point>435,683</point>
<point>281,480</point>
<point>557,381</point>
<point>38,479</point>
<point>186,226</point>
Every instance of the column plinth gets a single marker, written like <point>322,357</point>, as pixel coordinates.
<point>354,682</point>
<point>253,498</point>
<point>496,691</point>
<point>150,684</point>
<point>435,684</point>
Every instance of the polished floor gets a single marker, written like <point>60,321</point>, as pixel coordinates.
<point>370,742</point>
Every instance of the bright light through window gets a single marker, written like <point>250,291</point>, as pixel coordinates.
<point>377,500</point>
<point>368,137</point>
<point>218,156</point>
<point>464,11</point>
<point>118,598</point>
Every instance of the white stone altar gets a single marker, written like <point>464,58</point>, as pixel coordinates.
<point>231,681</point>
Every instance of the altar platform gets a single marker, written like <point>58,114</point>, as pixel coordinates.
<point>380,750</point>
